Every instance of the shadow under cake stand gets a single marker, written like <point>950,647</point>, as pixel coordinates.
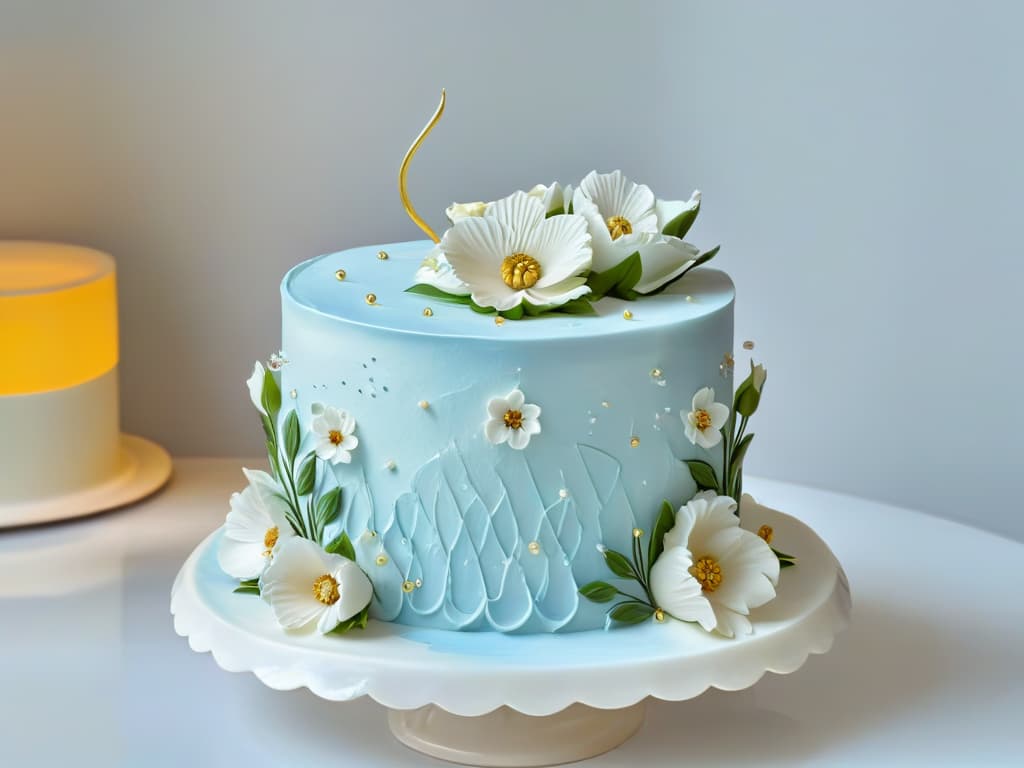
<point>483,698</point>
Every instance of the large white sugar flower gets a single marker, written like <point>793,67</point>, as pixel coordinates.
<point>553,197</point>
<point>625,218</point>
<point>705,419</point>
<point>256,526</point>
<point>334,430</point>
<point>305,584</point>
<point>513,254</point>
<point>512,420</point>
<point>437,272</point>
<point>734,570</point>
<point>255,384</point>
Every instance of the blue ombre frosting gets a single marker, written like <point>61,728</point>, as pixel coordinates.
<point>499,539</point>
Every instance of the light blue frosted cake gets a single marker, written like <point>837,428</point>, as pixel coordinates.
<point>468,434</point>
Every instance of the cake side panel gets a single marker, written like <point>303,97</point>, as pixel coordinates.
<point>458,533</point>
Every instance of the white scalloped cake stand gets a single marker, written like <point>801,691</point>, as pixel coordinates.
<point>483,698</point>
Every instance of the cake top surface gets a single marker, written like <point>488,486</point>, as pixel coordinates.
<point>315,285</point>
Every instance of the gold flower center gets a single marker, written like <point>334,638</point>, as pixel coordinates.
<point>708,572</point>
<point>269,540</point>
<point>520,271</point>
<point>513,419</point>
<point>703,419</point>
<point>325,589</point>
<point>619,226</point>
<point>766,533</point>
<point>335,436</point>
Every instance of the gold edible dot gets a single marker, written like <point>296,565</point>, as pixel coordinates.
<point>605,404</point>
<point>638,533</point>
<point>563,493</point>
<point>340,274</point>
<point>627,315</point>
<point>419,583</point>
<point>390,465</point>
<point>659,615</point>
<point>748,345</point>
<point>766,533</point>
<point>656,373</point>
<point>382,559</point>
<point>293,394</point>
<point>428,312</point>
<point>690,298</point>
<point>382,255</point>
<point>408,586</point>
<point>634,441</point>
<point>371,298</point>
<point>424,404</point>
<point>534,547</point>
<point>499,320</point>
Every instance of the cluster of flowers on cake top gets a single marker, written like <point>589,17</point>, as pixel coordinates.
<point>558,248</point>
<point>275,540</point>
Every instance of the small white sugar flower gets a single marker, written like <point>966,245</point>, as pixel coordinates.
<point>712,571</point>
<point>705,419</point>
<point>512,420</point>
<point>255,384</point>
<point>277,361</point>
<point>335,430</point>
<point>256,526</point>
<point>437,272</point>
<point>514,253</point>
<point>304,584</point>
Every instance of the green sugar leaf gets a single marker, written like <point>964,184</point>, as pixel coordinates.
<point>598,592</point>
<point>270,396</point>
<point>341,545</point>
<point>666,520</point>
<point>307,475</point>
<point>619,564</point>
<point>631,613</point>
<point>291,436</point>
<point>703,475</point>
<point>681,224</point>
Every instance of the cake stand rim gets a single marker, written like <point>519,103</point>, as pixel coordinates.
<point>236,649</point>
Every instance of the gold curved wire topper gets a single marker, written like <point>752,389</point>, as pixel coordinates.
<point>404,170</point>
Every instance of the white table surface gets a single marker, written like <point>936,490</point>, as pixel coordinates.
<point>930,672</point>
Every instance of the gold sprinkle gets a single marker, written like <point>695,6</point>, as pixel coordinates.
<point>499,320</point>
<point>371,298</point>
<point>627,315</point>
<point>390,465</point>
<point>340,274</point>
<point>419,583</point>
<point>408,586</point>
<point>520,271</point>
<point>605,404</point>
<point>655,373</point>
<point>638,533</point>
<point>634,441</point>
<point>428,312</point>
<point>659,615</point>
<point>325,589</point>
<point>708,572</point>
<point>373,534</point>
<point>690,298</point>
<point>563,493</point>
<point>382,559</point>
<point>382,255</point>
<point>424,404</point>
<point>748,344</point>
<point>293,394</point>
<point>766,533</point>
<point>534,547</point>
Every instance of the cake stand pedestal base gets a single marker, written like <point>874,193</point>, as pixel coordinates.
<point>506,737</point>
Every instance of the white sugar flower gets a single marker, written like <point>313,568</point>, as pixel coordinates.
<point>553,197</point>
<point>513,254</point>
<point>305,584</point>
<point>277,361</point>
<point>335,430</point>
<point>625,218</point>
<point>706,419</point>
<point>511,419</point>
<point>437,272</point>
<point>256,526</point>
<point>255,384</point>
<point>732,569</point>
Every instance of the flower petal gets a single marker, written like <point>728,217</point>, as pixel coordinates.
<point>355,588</point>
<point>519,211</point>
<point>347,422</point>
<point>676,591</point>
<point>496,431</point>
<point>700,519</point>
<point>559,293</point>
<point>319,424</point>
<point>287,584</point>
<point>437,272</point>
<point>615,195</point>
<point>708,438</point>
<point>667,210</point>
<point>475,248</point>
<point>341,456</point>
<point>241,559</point>
<point>518,438</point>
<point>531,427</point>
<point>530,411</point>
<point>729,623</point>
<point>350,442</point>
<point>325,449</point>
<point>750,570</point>
<point>515,399</point>
<point>703,398</point>
<point>719,414</point>
<point>663,259</point>
<point>561,245</point>
<point>604,254</point>
<point>496,407</point>
<point>255,384</point>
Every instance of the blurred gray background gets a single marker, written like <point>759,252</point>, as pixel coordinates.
<point>861,165</point>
